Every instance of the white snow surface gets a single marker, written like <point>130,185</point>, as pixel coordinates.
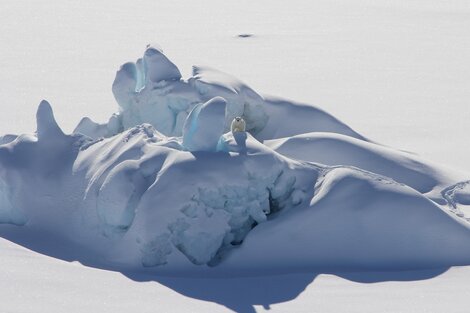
<point>164,193</point>
<point>31,282</point>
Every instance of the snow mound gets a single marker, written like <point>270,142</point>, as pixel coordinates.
<point>241,99</point>
<point>130,193</point>
<point>336,149</point>
<point>357,221</point>
<point>283,113</point>
<point>165,186</point>
<point>205,125</point>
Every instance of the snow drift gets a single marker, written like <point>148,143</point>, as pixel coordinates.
<point>164,185</point>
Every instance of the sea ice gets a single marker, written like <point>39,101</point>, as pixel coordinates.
<point>204,125</point>
<point>164,184</point>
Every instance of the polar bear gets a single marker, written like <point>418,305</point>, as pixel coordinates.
<point>238,125</point>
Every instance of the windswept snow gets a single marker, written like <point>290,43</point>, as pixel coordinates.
<point>31,282</point>
<point>357,221</point>
<point>165,186</point>
<point>336,149</point>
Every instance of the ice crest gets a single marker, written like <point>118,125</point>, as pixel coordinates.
<point>47,126</point>
<point>204,125</point>
<point>158,67</point>
<point>151,91</point>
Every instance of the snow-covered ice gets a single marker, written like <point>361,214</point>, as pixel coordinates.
<point>172,188</point>
<point>205,125</point>
<point>151,91</point>
<point>157,187</point>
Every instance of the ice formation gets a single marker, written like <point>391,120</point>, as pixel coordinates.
<point>205,125</point>
<point>164,185</point>
<point>152,91</point>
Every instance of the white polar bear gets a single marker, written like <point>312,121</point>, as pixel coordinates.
<point>238,125</point>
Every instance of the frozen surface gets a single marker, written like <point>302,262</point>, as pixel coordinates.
<point>31,282</point>
<point>205,125</point>
<point>197,198</point>
<point>336,149</point>
<point>394,71</point>
<point>125,191</point>
<point>153,92</point>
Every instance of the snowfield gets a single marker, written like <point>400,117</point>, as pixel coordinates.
<point>303,208</point>
<point>71,287</point>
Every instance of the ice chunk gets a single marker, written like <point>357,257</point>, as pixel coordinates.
<point>91,129</point>
<point>124,85</point>
<point>152,91</point>
<point>155,252</point>
<point>241,99</point>
<point>200,239</point>
<point>95,130</point>
<point>158,67</point>
<point>204,125</point>
<point>47,127</point>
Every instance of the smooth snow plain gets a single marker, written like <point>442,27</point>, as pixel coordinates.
<point>111,185</point>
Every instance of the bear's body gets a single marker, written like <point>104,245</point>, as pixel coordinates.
<point>238,125</point>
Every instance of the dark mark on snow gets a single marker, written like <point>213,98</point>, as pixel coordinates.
<point>245,35</point>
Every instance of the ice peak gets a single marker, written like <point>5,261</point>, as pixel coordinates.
<point>46,123</point>
<point>158,67</point>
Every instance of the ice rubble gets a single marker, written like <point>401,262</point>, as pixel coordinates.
<point>164,184</point>
<point>152,91</point>
<point>357,221</point>
<point>156,197</point>
<point>166,102</point>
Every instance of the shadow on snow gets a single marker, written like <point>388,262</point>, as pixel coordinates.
<point>240,294</point>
